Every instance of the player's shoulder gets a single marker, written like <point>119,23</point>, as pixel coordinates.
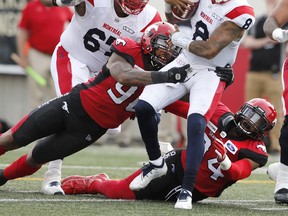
<point>220,111</point>
<point>240,12</point>
<point>148,15</point>
<point>252,149</point>
<point>126,45</point>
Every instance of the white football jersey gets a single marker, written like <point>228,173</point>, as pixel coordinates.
<point>88,38</point>
<point>208,17</point>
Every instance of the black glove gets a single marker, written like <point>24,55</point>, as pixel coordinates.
<point>173,75</point>
<point>226,74</point>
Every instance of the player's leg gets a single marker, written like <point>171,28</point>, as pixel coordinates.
<point>66,72</point>
<point>146,112</point>
<point>281,187</point>
<point>41,122</point>
<point>203,102</point>
<point>100,183</point>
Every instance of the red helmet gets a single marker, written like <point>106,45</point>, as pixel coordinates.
<point>132,6</point>
<point>255,118</point>
<point>158,36</point>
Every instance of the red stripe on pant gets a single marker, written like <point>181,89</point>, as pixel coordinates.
<point>64,70</point>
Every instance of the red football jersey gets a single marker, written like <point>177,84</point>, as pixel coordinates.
<point>108,102</point>
<point>210,181</point>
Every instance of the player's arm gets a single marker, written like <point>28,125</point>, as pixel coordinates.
<point>126,74</point>
<point>276,20</point>
<point>221,37</point>
<point>233,171</point>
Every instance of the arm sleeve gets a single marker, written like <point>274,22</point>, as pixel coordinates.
<point>239,170</point>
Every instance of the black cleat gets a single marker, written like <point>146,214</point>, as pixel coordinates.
<point>2,179</point>
<point>281,196</point>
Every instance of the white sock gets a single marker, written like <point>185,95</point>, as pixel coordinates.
<point>157,162</point>
<point>282,178</point>
<point>54,172</point>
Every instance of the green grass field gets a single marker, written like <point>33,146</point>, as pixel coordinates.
<point>253,196</point>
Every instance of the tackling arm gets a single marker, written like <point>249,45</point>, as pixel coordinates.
<point>126,74</point>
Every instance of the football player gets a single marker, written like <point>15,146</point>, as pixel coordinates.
<point>217,27</point>
<point>225,161</point>
<point>273,27</point>
<point>84,48</point>
<point>77,119</point>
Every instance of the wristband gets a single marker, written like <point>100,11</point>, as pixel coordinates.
<point>226,163</point>
<point>159,77</point>
<point>168,7</point>
<point>181,40</point>
<point>277,34</point>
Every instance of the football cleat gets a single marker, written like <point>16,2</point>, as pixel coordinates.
<point>2,178</point>
<point>184,200</point>
<point>80,184</point>
<point>281,196</point>
<point>53,188</point>
<point>273,170</point>
<point>149,172</point>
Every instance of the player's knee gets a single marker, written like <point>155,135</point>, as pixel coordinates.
<point>196,123</point>
<point>143,108</point>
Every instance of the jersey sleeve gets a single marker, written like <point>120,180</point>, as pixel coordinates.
<point>243,16</point>
<point>126,48</point>
<point>256,153</point>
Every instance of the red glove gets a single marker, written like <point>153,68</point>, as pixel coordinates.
<point>220,151</point>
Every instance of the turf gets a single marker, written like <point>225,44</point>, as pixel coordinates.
<point>253,196</point>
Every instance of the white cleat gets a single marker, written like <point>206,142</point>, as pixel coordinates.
<point>53,188</point>
<point>184,200</point>
<point>149,172</point>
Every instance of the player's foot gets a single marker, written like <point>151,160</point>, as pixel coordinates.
<point>149,172</point>
<point>273,170</point>
<point>281,196</point>
<point>53,188</point>
<point>184,200</point>
<point>2,178</point>
<point>80,184</point>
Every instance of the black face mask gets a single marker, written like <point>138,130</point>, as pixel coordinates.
<point>251,122</point>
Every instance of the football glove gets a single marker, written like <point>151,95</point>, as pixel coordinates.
<point>173,75</point>
<point>220,151</point>
<point>226,74</point>
<point>178,74</point>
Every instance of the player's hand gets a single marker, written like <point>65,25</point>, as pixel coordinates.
<point>68,2</point>
<point>180,4</point>
<point>222,158</point>
<point>177,74</point>
<point>280,35</point>
<point>226,74</point>
<point>219,150</point>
